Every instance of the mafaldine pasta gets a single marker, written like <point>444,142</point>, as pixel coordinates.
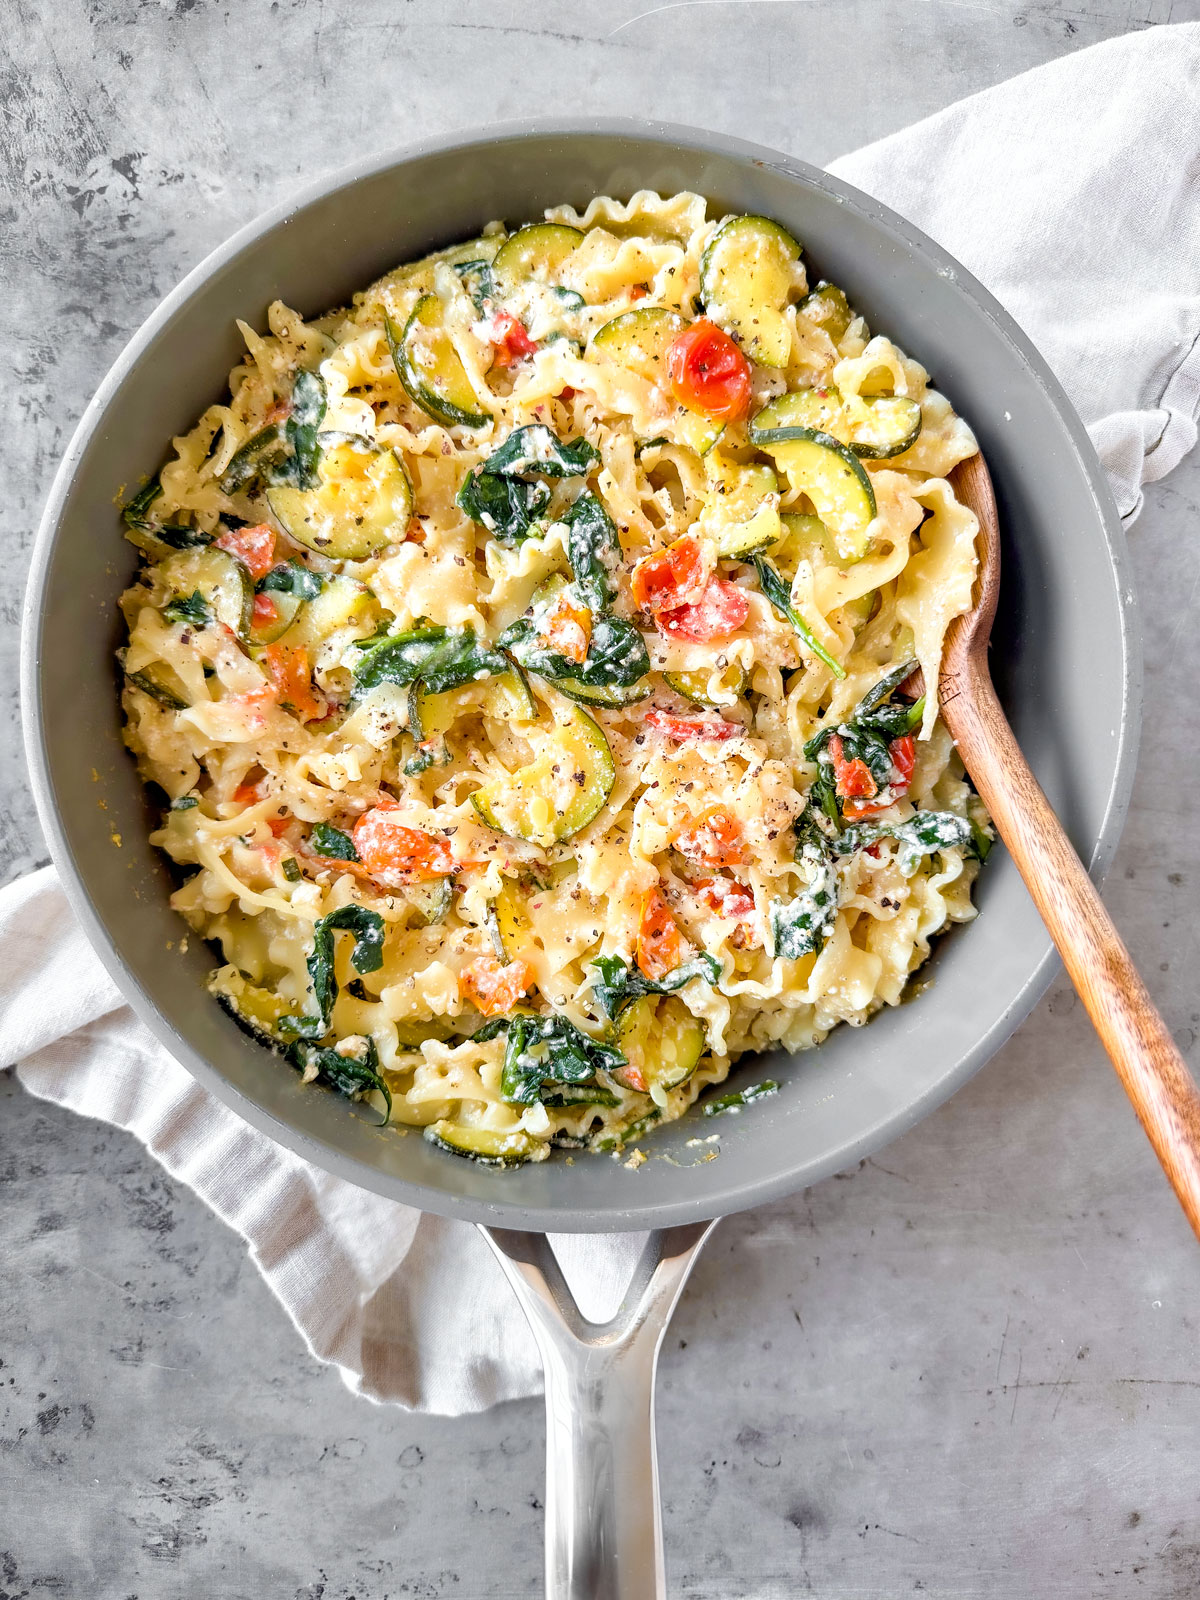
<point>536,663</point>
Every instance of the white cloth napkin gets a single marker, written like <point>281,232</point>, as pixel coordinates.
<point>1073,193</point>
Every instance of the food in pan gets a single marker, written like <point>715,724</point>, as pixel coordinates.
<point>525,658</point>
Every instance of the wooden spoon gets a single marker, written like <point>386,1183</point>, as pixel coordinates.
<point>1152,1070</point>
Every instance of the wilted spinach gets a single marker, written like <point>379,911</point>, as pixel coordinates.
<point>619,985</point>
<point>349,1075</point>
<point>366,956</point>
<point>327,840</point>
<point>866,736</point>
<point>503,495</point>
<point>441,658</point>
<point>292,577</point>
<point>770,581</point>
<point>192,609</point>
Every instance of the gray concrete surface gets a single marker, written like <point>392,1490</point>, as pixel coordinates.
<point>966,1369</point>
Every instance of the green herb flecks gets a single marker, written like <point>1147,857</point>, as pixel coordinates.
<point>770,581</point>
<point>619,985</point>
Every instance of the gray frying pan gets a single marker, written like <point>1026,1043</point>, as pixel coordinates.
<point>1065,659</point>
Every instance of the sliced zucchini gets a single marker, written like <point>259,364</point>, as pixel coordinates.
<point>259,1011</point>
<point>287,609</point>
<point>432,899</point>
<point>343,602</point>
<point>161,683</point>
<point>507,697</point>
<point>633,1131</point>
<point>821,467</point>
<point>559,792</point>
<point>362,500</point>
<point>533,252</point>
<point>876,428</point>
<point>694,686</point>
<point>420,274</point>
<point>662,1041</point>
<point>741,506</point>
<point>428,366</point>
<point>579,1094</point>
<point>806,538</point>
<point>218,577</point>
<point>612,696</point>
<point>489,1146</point>
<point>747,273</point>
<point>639,340</point>
<point>828,307</point>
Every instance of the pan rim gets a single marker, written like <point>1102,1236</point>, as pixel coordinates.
<point>722,1198</point>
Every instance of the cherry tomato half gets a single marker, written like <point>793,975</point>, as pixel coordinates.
<point>391,850</point>
<point>668,577</point>
<point>291,679</point>
<point>254,547</point>
<point>707,372</point>
<point>494,987</point>
<point>716,616</point>
<point>713,840</point>
<point>659,942</point>
<point>683,729</point>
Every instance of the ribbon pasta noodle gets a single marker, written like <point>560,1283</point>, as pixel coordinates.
<point>525,657</point>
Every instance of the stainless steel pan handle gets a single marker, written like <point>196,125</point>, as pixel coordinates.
<point>603,1523</point>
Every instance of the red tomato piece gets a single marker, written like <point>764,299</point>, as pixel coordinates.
<point>291,678</point>
<point>279,825</point>
<point>852,779</point>
<point>510,339</point>
<point>392,851</point>
<point>265,611</point>
<point>714,840</point>
<point>246,793</point>
<point>568,630</point>
<point>726,896</point>
<point>659,941</point>
<point>716,616</point>
<point>494,987</point>
<point>682,729</point>
<point>903,752</point>
<point>254,548</point>
<point>707,372</point>
<point>670,576</point>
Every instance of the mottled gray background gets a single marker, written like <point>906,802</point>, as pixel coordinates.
<point>966,1369</point>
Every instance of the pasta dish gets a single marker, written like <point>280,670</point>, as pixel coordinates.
<point>535,664</point>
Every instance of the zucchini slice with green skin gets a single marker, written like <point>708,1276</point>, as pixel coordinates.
<point>342,603</point>
<point>431,900</point>
<point>507,697</point>
<point>828,307</point>
<point>806,538</point>
<point>662,1041</point>
<point>693,686</point>
<point>533,252</point>
<point>258,1011</point>
<point>610,696</point>
<point>287,609</point>
<point>630,1134</point>
<point>428,366</point>
<point>489,1146</point>
<point>362,500</point>
<point>821,467</point>
<point>218,577</point>
<point>161,683</point>
<point>741,507</point>
<point>420,274</point>
<point>875,427</point>
<point>640,340</point>
<point>747,273</point>
<point>559,792</point>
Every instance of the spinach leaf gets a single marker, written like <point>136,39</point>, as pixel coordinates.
<point>739,1098</point>
<point>441,658</point>
<point>292,577</point>
<point>259,457</point>
<point>308,411</point>
<point>136,514</point>
<point>536,448</point>
<point>866,736</point>
<point>618,986</point>
<point>617,653</point>
<point>366,956</point>
<point>349,1075</point>
<point>544,1050</point>
<point>981,841</point>
<point>477,280</point>
<point>498,494</point>
<point>327,840</point>
<point>922,834</point>
<point>508,508</point>
<point>770,581</point>
<point>594,550</point>
<point>192,609</point>
<point>802,926</point>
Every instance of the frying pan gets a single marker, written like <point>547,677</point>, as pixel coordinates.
<point>1065,659</point>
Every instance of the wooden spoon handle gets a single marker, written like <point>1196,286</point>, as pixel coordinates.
<point>1154,1074</point>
